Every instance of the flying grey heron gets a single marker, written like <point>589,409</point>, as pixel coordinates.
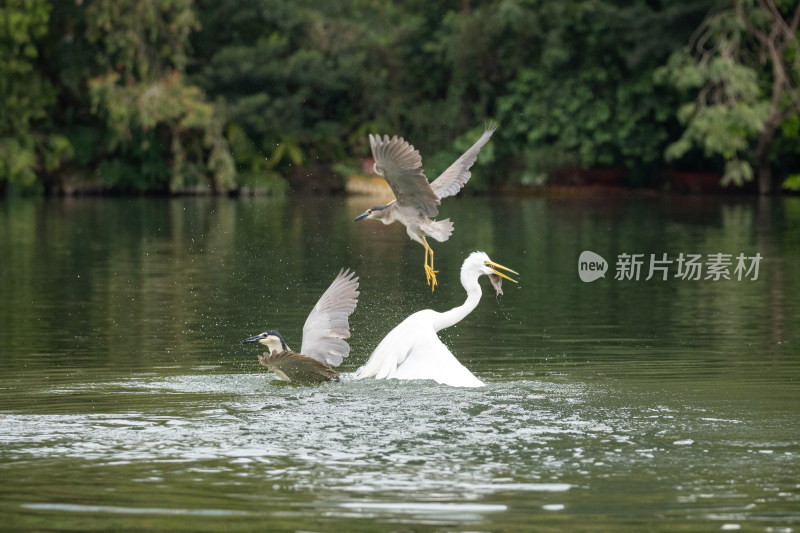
<point>413,350</point>
<point>324,334</point>
<point>416,199</point>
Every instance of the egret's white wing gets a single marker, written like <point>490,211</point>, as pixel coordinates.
<point>457,175</point>
<point>327,325</point>
<point>412,350</point>
<point>401,165</point>
<point>295,367</point>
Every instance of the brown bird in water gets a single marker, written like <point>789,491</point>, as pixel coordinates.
<point>416,200</point>
<point>324,334</point>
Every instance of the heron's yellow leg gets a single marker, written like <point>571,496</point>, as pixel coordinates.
<point>430,273</point>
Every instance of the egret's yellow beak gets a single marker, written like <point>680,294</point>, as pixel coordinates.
<point>494,267</point>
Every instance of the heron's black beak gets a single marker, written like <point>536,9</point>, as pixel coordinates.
<point>254,338</point>
<point>362,216</point>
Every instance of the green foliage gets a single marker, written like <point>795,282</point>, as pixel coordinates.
<point>291,74</point>
<point>724,124</point>
<point>139,38</point>
<point>737,105</point>
<point>158,126</point>
<point>589,96</point>
<point>306,76</point>
<point>25,95</point>
<point>18,161</point>
<point>255,172</point>
<point>792,183</point>
<point>168,128</point>
<point>181,95</point>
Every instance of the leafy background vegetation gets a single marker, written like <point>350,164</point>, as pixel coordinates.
<point>201,95</point>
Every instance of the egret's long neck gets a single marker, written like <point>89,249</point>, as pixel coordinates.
<point>456,314</point>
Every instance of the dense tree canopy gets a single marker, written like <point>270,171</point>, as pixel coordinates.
<point>26,140</point>
<point>184,95</point>
<point>745,58</point>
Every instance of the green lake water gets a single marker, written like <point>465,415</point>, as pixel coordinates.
<point>128,403</point>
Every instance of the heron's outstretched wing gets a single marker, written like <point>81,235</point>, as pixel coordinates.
<point>295,367</point>
<point>401,165</point>
<point>327,325</point>
<point>457,175</point>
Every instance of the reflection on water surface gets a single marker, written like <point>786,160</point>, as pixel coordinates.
<point>128,401</point>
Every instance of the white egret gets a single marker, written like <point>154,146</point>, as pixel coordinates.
<point>413,350</point>
<point>416,200</point>
<point>324,334</point>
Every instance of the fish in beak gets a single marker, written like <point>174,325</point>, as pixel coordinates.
<point>496,277</point>
<point>497,283</point>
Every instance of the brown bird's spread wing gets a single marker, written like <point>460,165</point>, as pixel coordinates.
<point>401,165</point>
<point>327,325</point>
<point>298,368</point>
<point>457,175</point>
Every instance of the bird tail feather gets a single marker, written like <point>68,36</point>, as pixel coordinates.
<point>440,229</point>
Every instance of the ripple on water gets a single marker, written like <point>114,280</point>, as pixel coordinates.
<point>414,426</point>
<point>358,445</point>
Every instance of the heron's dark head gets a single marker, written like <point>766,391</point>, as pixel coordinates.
<point>271,339</point>
<point>377,212</point>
